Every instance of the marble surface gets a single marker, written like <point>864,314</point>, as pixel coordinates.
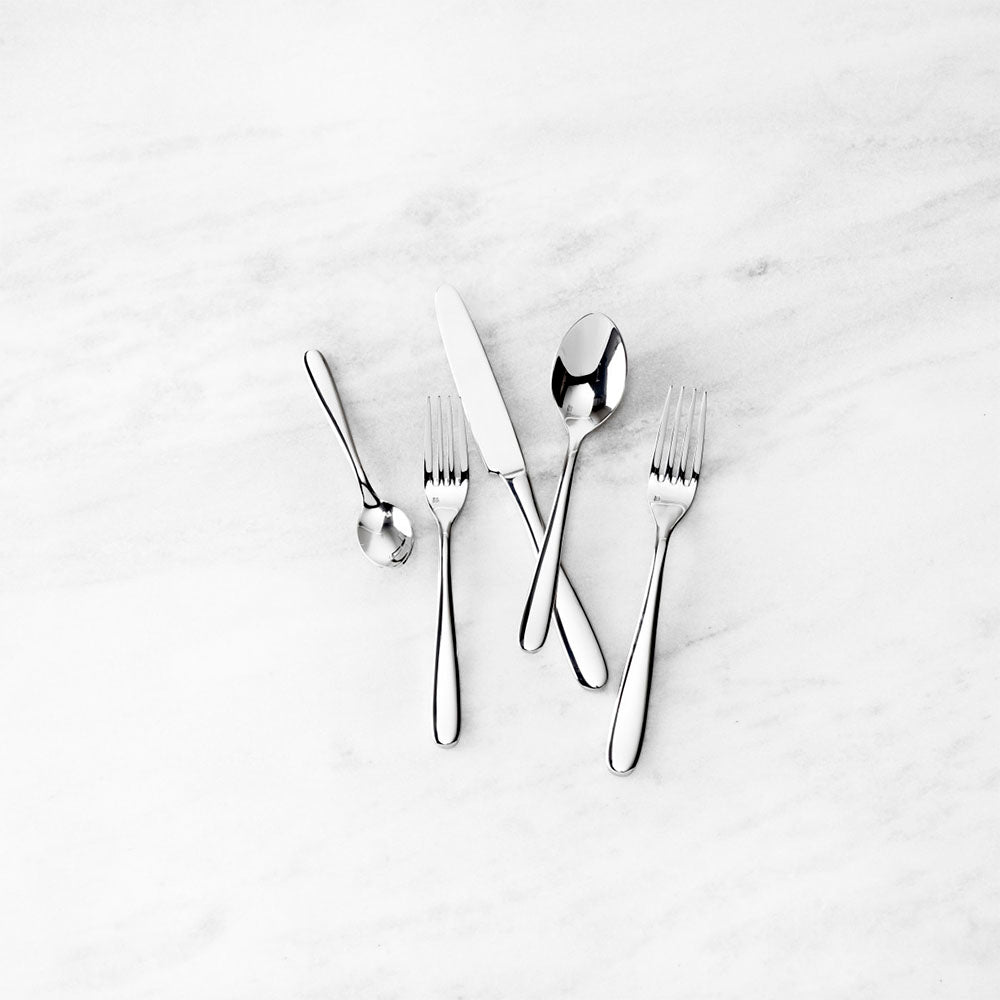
<point>218,779</point>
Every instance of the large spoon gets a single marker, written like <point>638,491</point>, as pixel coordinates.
<point>588,382</point>
<point>384,531</point>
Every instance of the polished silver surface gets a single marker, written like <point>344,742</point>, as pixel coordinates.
<point>477,386</point>
<point>588,382</point>
<point>384,531</point>
<point>446,483</point>
<point>498,445</point>
<point>673,479</point>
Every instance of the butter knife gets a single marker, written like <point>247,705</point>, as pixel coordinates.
<point>498,445</point>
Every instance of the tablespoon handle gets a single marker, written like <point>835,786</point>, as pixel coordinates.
<point>447,704</point>
<point>629,724</point>
<point>575,630</point>
<point>326,389</point>
<point>542,596</point>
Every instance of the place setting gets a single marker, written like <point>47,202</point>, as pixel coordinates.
<point>588,381</point>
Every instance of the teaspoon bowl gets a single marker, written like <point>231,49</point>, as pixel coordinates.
<point>385,535</point>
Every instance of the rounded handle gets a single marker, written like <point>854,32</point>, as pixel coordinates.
<point>575,631</point>
<point>542,596</point>
<point>322,380</point>
<point>629,724</point>
<point>447,700</point>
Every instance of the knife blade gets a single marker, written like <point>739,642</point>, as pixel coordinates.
<point>497,442</point>
<point>484,406</point>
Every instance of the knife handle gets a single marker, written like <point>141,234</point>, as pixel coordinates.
<point>575,630</point>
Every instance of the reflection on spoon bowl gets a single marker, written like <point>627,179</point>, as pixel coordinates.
<point>385,535</point>
<point>588,377</point>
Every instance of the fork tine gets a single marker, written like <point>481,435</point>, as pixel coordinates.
<point>428,443</point>
<point>698,445</point>
<point>453,424</point>
<point>435,424</point>
<point>661,435</point>
<point>669,472</point>
<point>448,438</point>
<point>462,443</point>
<point>439,441</point>
<point>683,459</point>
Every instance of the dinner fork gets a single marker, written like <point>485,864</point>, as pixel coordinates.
<point>446,483</point>
<point>673,479</point>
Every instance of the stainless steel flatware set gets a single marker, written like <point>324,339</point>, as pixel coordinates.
<point>588,384</point>
<point>497,443</point>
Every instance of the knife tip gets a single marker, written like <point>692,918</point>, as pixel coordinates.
<point>444,291</point>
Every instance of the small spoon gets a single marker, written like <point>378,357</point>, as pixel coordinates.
<point>384,531</point>
<point>588,382</point>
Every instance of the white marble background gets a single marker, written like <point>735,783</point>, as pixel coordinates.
<point>216,770</point>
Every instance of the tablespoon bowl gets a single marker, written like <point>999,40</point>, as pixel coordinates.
<point>588,383</point>
<point>588,375</point>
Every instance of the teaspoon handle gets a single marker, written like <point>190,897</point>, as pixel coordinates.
<point>447,702</point>
<point>629,724</point>
<point>542,596</point>
<point>322,380</point>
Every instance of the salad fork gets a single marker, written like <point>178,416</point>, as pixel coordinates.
<point>446,483</point>
<point>673,479</point>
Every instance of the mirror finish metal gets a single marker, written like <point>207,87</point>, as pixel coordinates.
<point>588,376</point>
<point>484,406</point>
<point>575,631</point>
<point>497,441</point>
<point>446,484</point>
<point>588,383</point>
<point>384,531</point>
<point>673,479</point>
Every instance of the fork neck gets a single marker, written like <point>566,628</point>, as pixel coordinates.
<point>666,516</point>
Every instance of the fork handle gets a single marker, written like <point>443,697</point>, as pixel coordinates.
<point>629,724</point>
<point>447,705</point>
<point>575,630</point>
<point>542,596</point>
